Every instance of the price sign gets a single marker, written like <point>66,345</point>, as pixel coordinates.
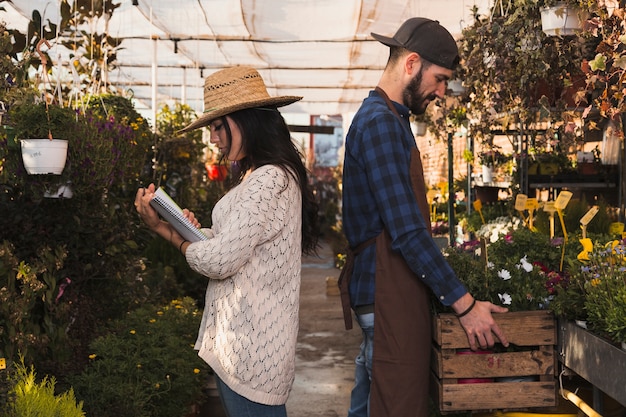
<point>548,207</point>
<point>531,204</point>
<point>3,363</point>
<point>616,228</point>
<point>563,199</point>
<point>589,215</point>
<point>520,202</point>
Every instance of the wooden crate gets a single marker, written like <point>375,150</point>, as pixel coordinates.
<point>532,335</point>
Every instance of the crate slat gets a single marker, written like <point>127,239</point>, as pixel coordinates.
<point>522,328</point>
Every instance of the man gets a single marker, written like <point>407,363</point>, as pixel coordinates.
<point>394,259</point>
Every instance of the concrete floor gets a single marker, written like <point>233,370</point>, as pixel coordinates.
<point>325,351</point>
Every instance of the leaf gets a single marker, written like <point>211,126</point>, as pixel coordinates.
<point>620,62</point>
<point>598,63</point>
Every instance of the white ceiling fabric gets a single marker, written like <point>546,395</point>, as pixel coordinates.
<point>321,50</point>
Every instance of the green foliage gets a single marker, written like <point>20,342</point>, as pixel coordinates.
<point>32,120</point>
<point>31,321</point>
<point>31,398</point>
<point>601,279</point>
<point>145,365</point>
<point>517,270</point>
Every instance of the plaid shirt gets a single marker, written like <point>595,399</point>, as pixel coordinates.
<point>377,193</point>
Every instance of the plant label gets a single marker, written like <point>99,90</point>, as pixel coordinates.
<point>563,199</point>
<point>520,202</point>
<point>589,215</point>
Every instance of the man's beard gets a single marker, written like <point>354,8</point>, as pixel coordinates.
<point>413,97</point>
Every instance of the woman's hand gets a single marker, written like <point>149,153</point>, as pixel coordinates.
<point>147,213</point>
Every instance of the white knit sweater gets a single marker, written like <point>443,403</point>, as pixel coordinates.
<point>250,322</point>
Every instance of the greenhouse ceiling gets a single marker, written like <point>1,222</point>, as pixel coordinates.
<point>321,50</point>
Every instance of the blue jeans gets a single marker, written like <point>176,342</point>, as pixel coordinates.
<point>236,405</point>
<point>360,398</point>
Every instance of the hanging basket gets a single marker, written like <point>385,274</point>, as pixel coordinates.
<point>562,20</point>
<point>44,156</point>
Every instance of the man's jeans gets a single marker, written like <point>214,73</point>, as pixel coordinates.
<point>236,405</point>
<point>359,401</point>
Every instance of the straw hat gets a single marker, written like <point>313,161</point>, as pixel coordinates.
<point>233,89</point>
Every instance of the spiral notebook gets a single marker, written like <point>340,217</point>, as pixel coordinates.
<point>173,214</point>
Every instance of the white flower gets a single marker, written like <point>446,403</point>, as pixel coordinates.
<point>504,274</point>
<point>527,266</point>
<point>490,265</point>
<point>505,298</point>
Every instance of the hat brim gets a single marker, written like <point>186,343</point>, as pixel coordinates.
<point>386,40</point>
<point>212,114</point>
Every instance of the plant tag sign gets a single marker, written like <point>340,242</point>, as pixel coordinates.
<point>616,228</point>
<point>520,202</point>
<point>589,215</point>
<point>478,205</point>
<point>3,363</point>
<point>548,207</point>
<point>563,199</point>
<point>531,204</point>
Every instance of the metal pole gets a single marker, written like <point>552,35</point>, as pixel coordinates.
<point>451,198</point>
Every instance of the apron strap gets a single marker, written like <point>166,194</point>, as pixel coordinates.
<point>344,280</point>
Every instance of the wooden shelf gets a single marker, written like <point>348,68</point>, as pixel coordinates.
<point>594,359</point>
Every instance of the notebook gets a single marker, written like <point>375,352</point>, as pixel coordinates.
<point>173,214</point>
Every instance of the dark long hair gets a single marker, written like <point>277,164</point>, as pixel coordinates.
<point>266,141</point>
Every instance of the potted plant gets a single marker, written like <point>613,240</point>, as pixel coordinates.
<point>562,19</point>
<point>517,77</point>
<point>43,131</point>
<point>603,272</point>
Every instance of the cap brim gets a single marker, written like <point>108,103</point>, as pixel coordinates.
<point>385,40</point>
<point>212,114</point>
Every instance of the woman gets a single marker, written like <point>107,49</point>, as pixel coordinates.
<point>252,258</point>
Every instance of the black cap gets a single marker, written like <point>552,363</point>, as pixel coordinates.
<point>426,37</point>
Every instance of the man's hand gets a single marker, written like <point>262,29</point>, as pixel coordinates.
<point>478,323</point>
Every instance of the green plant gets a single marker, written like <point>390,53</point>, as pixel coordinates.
<point>604,276</point>
<point>517,270</point>
<point>28,397</point>
<point>32,322</point>
<point>145,365</point>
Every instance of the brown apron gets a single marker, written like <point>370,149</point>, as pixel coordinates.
<point>402,327</point>
<point>402,321</point>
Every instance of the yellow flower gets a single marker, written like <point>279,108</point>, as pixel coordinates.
<point>595,282</point>
<point>152,320</point>
<point>133,331</point>
<point>587,248</point>
<point>157,385</point>
<point>138,366</point>
<point>159,313</point>
<point>92,356</point>
<point>196,371</point>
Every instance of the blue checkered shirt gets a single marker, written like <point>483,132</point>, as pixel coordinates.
<point>377,193</point>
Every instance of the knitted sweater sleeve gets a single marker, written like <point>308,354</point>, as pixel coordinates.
<point>247,216</point>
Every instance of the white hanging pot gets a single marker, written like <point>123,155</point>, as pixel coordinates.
<point>562,20</point>
<point>44,156</point>
<point>487,173</point>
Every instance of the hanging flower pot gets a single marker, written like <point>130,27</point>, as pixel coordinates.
<point>561,20</point>
<point>487,173</point>
<point>44,156</point>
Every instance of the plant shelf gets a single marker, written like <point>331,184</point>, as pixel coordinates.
<point>599,362</point>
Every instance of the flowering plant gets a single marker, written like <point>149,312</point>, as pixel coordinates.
<point>601,281</point>
<point>518,271</point>
<point>493,157</point>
